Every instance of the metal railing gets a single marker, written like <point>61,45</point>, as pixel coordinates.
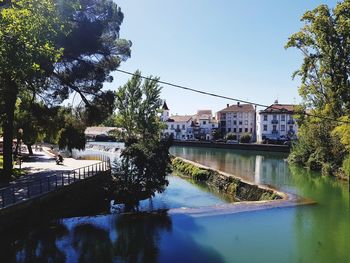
<point>22,191</point>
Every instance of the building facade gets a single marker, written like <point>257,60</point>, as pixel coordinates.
<point>189,127</point>
<point>276,122</point>
<point>238,119</point>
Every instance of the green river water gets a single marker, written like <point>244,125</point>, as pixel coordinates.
<point>311,233</point>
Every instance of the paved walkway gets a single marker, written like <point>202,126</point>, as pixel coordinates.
<point>45,175</point>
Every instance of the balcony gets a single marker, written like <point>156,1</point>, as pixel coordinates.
<point>291,122</point>
<point>274,121</point>
<point>274,132</point>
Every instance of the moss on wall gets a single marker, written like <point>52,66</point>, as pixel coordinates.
<point>230,185</point>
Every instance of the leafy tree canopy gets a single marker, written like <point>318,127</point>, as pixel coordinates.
<point>145,161</point>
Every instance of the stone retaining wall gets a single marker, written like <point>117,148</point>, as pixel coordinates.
<point>228,184</point>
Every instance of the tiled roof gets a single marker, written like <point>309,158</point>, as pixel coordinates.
<point>238,108</point>
<point>279,108</point>
<point>180,118</point>
<point>204,112</point>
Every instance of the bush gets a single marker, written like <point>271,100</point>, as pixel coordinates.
<point>245,138</point>
<point>231,136</point>
<point>346,166</point>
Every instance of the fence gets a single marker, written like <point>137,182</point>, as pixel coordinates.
<point>21,191</point>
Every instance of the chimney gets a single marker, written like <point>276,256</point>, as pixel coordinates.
<point>227,105</point>
<point>238,104</point>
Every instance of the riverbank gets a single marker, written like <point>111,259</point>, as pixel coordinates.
<point>238,146</point>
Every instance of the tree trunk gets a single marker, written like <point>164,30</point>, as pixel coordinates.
<point>10,104</point>
<point>30,150</point>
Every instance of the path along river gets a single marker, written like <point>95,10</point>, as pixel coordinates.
<point>313,233</point>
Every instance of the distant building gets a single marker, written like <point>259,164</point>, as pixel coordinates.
<point>276,122</point>
<point>205,124</point>
<point>238,119</point>
<point>189,127</point>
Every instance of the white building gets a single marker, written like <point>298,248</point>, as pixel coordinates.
<point>238,119</point>
<point>205,124</point>
<point>178,126</point>
<point>276,122</point>
<point>189,127</point>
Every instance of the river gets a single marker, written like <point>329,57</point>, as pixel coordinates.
<point>313,233</point>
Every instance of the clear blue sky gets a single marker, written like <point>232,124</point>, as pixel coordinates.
<point>230,47</point>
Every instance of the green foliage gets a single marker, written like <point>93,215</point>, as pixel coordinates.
<point>343,132</point>
<point>346,166</point>
<point>145,161</point>
<point>245,138</point>
<point>191,170</point>
<point>71,135</point>
<point>28,50</point>
<point>324,42</point>
<point>138,105</point>
<point>217,134</point>
<point>231,136</point>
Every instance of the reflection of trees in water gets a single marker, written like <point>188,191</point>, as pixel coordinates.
<point>322,230</point>
<point>36,246</point>
<point>139,236</point>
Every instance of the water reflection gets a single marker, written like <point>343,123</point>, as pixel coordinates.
<point>258,167</point>
<point>142,237</point>
<point>35,246</point>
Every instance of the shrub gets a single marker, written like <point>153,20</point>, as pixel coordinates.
<point>346,166</point>
<point>231,136</point>
<point>245,138</point>
<point>327,169</point>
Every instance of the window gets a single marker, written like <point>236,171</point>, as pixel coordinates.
<point>234,115</point>
<point>246,130</point>
<point>240,129</point>
<point>265,127</point>
<point>265,117</point>
<point>290,127</point>
<point>204,122</point>
<point>274,117</point>
<point>234,122</point>
<point>274,127</point>
<point>283,117</point>
<point>229,129</point>
<point>234,129</point>
<point>246,122</point>
<point>251,129</point>
<point>183,126</point>
<point>283,127</point>
<point>172,126</point>
<point>178,126</point>
<point>240,122</point>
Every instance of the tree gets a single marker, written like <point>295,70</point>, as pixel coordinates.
<point>54,50</point>
<point>28,29</point>
<point>324,42</point>
<point>145,161</point>
<point>72,135</point>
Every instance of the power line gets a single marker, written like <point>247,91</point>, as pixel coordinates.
<point>224,97</point>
